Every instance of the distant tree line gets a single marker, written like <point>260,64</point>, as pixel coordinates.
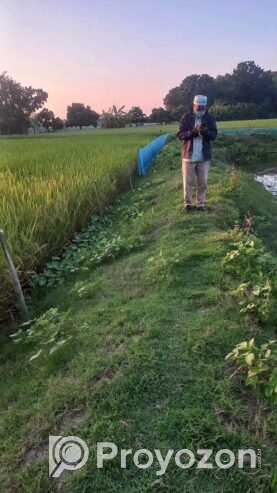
<point>249,92</point>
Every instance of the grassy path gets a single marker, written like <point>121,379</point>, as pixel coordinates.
<point>145,367</point>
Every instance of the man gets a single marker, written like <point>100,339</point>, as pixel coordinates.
<point>196,129</point>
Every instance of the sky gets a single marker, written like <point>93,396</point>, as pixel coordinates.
<point>124,52</point>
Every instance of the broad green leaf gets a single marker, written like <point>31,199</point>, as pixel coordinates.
<point>249,358</point>
<point>242,345</point>
<point>35,356</point>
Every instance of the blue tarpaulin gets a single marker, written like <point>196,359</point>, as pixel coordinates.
<point>148,154</point>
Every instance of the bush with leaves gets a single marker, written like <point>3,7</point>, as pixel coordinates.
<point>259,363</point>
<point>45,334</point>
<point>248,257</point>
<point>96,244</point>
<point>249,260</point>
<point>255,299</point>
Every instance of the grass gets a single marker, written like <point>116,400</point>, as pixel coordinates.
<point>145,367</point>
<point>266,123</point>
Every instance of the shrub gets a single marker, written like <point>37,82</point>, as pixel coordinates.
<point>259,364</point>
<point>45,334</point>
<point>249,257</point>
<point>255,299</point>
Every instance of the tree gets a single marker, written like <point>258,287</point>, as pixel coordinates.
<point>274,102</point>
<point>79,115</point>
<point>113,118</point>
<point>174,99</point>
<point>178,112</point>
<point>17,103</point>
<point>251,84</point>
<point>189,87</point>
<point>136,116</point>
<point>224,88</point>
<point>58,124</point>
<point>160,115</point>
<point>239,111</point>
<point>248,84</point>
<point>44,118</point>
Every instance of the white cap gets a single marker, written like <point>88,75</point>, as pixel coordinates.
<point>201,100</point>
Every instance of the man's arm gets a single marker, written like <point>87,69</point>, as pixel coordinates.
<point>184,132</point>
<point>210,133</point>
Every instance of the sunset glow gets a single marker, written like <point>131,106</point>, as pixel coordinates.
<point>120,52</point>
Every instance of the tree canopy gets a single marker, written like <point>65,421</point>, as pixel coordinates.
<point>79,115</point>
<point>160,115</point>
<point>247,84</point>
<point>136,116</point>
<point>46,119</point>
<point>17,103</point>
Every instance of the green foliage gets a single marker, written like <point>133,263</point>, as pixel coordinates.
<point>237,153</point>
<point>79,115</point>
<point>83,289</point>
<point>160,115</point>
<point>249,257</point>
<point>96,244</point>
<point>247,93</point>
<point>135,116</point>
<point>17,103</point>
<point>191,85</point>
<point>255,299</point>
<point>113,118</point>
<point>249,261</point>
<point>45,334</point>
<point>259,363</point>
<point>223,111</point>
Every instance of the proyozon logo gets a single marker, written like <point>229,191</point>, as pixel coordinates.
<point>72,453</point>
<point>69,453</point>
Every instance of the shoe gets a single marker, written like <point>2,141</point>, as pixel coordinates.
<point>187,208</point>
<point>202,208</point>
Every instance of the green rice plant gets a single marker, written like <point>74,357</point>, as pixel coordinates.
<point>47,191</point>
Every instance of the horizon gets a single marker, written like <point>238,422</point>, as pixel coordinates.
<point>134,55</point>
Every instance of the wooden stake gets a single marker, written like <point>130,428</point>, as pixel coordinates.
<point>97,198</point>
<point>14,277</point>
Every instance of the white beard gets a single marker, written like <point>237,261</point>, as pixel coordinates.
<point>199,114</point>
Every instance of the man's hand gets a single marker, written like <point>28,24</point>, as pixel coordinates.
<point>195,131</point>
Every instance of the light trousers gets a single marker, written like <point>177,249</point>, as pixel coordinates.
<point>200,169</point>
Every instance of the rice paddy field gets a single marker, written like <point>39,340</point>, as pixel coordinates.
<point>47,188</point>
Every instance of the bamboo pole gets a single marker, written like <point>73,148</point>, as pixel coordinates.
<point>14,277</point>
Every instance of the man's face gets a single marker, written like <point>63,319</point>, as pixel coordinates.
<point>199,107</point>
